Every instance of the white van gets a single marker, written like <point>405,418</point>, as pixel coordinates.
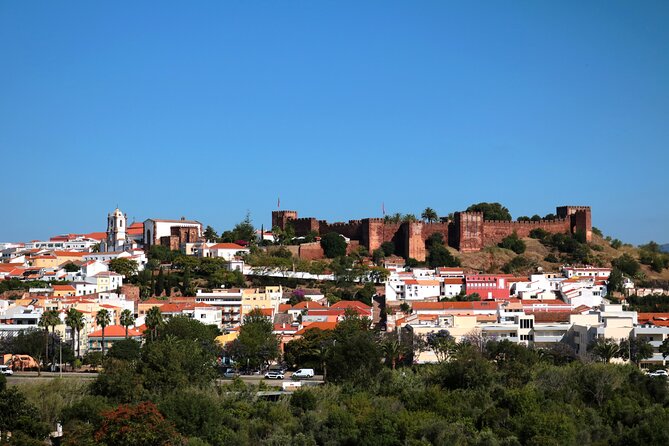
<point>303,374</point>
<point>4,370</point>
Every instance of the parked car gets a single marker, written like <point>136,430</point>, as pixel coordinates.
<point>663,373</point>
<point>230,373</point>
<point>4,370</point>
<point>303,374</point>
<point>274,374</point>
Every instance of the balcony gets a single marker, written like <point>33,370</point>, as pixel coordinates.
<point>547,338</point>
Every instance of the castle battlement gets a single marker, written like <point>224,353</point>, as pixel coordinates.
<point>467,231</point>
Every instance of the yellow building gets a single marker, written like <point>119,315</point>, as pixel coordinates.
<point>261,298</point>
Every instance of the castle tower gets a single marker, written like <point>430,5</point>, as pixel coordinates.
<point>280,218</point>
<point>116,227</point>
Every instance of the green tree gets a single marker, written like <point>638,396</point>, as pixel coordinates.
<point>154,320</point>
<point>491,211</point>
<point>170,363</point>
<point>627,265</point>
<point>126,350</point>
<point>160,283</point>
<point>310,350</point>
<point>187,328</point>
<point>334,245</point>
<point>50,319</point>
<point>635,350</point>
<point>103,319</point>
<point>392,349</point>
<point>257,345</point>
<point>664,348</point>
<point>605,349</point>
<point>616,281</point>
<point>429,215</point>
<point>442,344</point>
<point>20,419</point>
<point>438,255</point>
<point>75,319</point>
<point>71,267</point>
<point>125,267</point>
<point>355,355</point>
<point>514,243</point>
<point>243,231</point>
<point>127,319</point>
<point>210,234</point>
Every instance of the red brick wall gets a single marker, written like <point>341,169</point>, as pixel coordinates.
<point>352,229</point>
<point>311,251</point>
<point>375,232</point>
<point>468,227</point>
<point>304,226</point>
<point>495,231</point>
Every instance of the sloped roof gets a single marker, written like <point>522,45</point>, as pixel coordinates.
<point>319,325</point>
<point>115,331</point>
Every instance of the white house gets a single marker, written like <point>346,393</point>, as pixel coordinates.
<point>226,251</point>
<point>586,271</point>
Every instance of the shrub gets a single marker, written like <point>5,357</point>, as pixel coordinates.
<point>627,265</point>
<point>514,243</point>
<point>539,233</point>
<point>518,264</point>
<point>552,258</point>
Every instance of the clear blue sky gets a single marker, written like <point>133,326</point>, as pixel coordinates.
<point>210,109</point>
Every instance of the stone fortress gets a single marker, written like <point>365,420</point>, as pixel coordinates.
<point>466,232</point>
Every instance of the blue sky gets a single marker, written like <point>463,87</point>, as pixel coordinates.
<point>212,109</point>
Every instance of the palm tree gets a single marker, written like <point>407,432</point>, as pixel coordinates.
<point>154,319</point>
<point>80,324</point>
<point>49,318</point>
<point>605,349</point>
<point>392,349</point>
<point>72,318</point>
<point>102,318</point>
<point>429,215</point>
<point>127,319</point>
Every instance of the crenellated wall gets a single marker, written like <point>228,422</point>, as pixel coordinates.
<point>352,229</point>
<point>494,231</point>
<point>468,232</point>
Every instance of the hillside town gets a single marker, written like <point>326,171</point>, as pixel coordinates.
<point>68,281</point>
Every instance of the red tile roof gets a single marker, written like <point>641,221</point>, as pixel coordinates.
<point>306,304</point>
<point>227,246</point>
<point>351,304</point>
<point>115,331</point>
<point>319,325</point>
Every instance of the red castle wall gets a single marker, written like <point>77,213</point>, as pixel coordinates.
<point>468,232</point>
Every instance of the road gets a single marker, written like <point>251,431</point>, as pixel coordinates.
<point>32,377</point>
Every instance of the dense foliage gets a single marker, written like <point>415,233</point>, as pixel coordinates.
<point>497,393</point>
<point>438,255</point>
<point>491,211</point>
<point>333,245</point>
<point>514,243</point>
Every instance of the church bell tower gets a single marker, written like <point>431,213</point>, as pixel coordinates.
<point>116,226</point>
